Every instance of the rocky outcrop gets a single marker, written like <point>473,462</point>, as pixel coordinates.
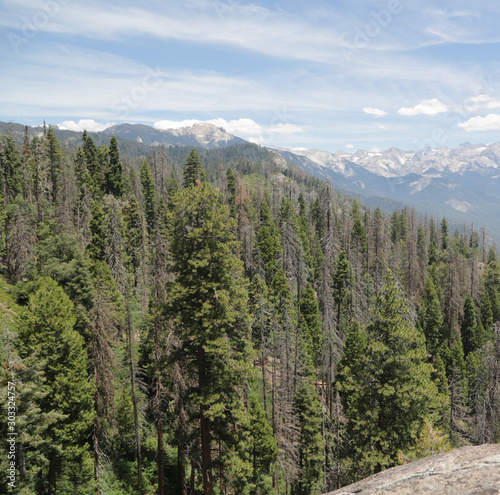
<point>468,470</point>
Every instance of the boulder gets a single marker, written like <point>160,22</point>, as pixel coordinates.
<point>468,470</point>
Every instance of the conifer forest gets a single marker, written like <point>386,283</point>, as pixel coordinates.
<point>179,321</point>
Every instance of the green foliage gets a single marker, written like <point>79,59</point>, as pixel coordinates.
<point>431,317</point>
<point>97,248</point>
<point>255,424</point>
<point>193,170</point>
<point>393,379</point>
<point>311,324</point>
<point>208,301</point>
<point>231,190</point>
<point>55,156</point>
<point>114,172</point>
<point>308,409</point>
<point>472,330</point>
<point>149,194</point>
<point>46,333</point>
<point>10,168</point>
<point>430,442</point>
<point>268,243</point>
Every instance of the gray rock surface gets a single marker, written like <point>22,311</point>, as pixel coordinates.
<point>468,470</point>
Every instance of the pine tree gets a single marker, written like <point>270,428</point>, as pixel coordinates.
<point>149,195</point>
<point>10,168</point>
<point>310,417</point>
<point>341,284</point>
<point>471,334</point>
<point>55,156</point>
<point>93,165</point>
<point>264,448</point>
<point>114,173</point>
<point>311,324</point>
<point>431,317</point>
<point>268,247</point>
<point>46,330</point>
<point>395,383</point>
<point>444,234</point>
<point>208,301</point>
<point>231,190</point>
<point>193,170</point>
<point>97,247</point>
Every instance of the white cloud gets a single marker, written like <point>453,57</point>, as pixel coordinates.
<point>256,133</point>
<point>489,123</point>
<point>175,124</point>
<point>83,125</point>
<point>425,107</point>
<point>349,146</point>
<point>234,23</point>
<point>482,101</point>
<point>376,112</point>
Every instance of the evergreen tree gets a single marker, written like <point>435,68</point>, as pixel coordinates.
<point>341,285</point>
<point>264,448</point>
<point>54,155</point>
<point>10,167</point>
<point>311,324</point>
<point>149,195</point>
<point>46,330</point>
<point>93,165</point>
<point>114,173</point>
<point>471,334</point>
<point>268,243</point>
<point>231,190</point>
<point>97,247</point>
<point>431,317</point>
<point>193,170</point>
<point>396,384</point>
<point>444,234</point>
<point>308,410</point>
<point>208,301</point>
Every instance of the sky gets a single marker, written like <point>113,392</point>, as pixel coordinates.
<point>328,75</point>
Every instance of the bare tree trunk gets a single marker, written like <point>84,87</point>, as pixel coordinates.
<point>159,426</point>
<point>134,393</point>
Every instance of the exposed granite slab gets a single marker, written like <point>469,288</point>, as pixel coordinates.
<point>468,470</point>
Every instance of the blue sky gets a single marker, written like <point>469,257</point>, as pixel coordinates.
<point>328,75</point>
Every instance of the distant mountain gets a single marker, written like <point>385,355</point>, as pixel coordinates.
<point>206,136</point>
<point>462,183</point>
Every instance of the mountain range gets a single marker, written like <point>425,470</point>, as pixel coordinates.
<point>461,183</point>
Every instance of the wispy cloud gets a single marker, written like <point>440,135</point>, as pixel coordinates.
<point>376,112</point>
<point>425,107</point>
<point>273,33</point>
<point>480,102</point>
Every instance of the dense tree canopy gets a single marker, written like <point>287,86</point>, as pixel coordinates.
<point>183,321</point>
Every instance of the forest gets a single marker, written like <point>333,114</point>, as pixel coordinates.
<point>181,321</point>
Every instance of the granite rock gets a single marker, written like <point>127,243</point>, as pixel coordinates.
<point>468,470</point>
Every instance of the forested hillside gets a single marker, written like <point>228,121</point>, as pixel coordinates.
<point>220,322</point>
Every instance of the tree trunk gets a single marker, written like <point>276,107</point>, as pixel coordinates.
<point>134,394</point>
<point>181,471</point>
<point>206,454</point>
<point>159,419</point>
<point>159,427</point>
